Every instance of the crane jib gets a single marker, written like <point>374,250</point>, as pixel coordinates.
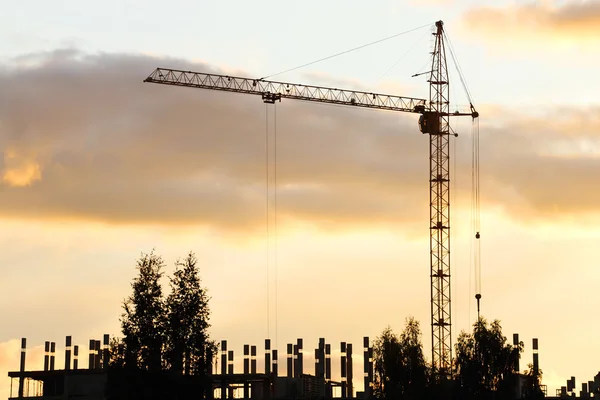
<point>272,91</point>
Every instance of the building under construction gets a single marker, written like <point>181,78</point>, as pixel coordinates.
<point>223,381</point>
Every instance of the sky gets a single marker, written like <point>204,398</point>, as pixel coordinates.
<point>99,167</point>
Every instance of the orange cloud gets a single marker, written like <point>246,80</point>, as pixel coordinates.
<point>116,150</point>
<point>20,170</point>
<point>570,21</point>
<point>10,356</point>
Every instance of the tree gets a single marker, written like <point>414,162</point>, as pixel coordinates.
<point>400,368</point>
<point>117,353</point>
<point>386,354</point>
<point>532,384</point>
<point>485,363</point>
<point>188,347</point>
<point>142,322</point>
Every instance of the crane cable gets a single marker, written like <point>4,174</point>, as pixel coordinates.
<point>476,212</point>
<point>268,236</point>
<point>275,215</point>
<point>402,57</point>
<point>345,52</point>
<point>475,195</point>
<point>268,217</point>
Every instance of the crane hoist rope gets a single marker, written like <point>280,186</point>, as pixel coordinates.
<point>268,214</point>
<point>434,121</point>
<point>476,217</point>
<point>271,217</point>
<point>276,255</point>
<point>475,198</point>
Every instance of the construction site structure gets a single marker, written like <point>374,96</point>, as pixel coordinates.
<point>223,381</point>
<point>589,389</point>
<point>434,121</point>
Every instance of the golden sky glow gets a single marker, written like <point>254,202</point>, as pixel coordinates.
<point>538,23</point>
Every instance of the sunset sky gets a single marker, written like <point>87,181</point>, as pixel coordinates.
<point>98,167</point>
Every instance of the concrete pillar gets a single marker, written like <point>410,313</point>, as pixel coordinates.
<point>367,382</point>
<point>75,357</point>
<point>516,343</point>
<point>67,353</point>
<point>253,359</point>
<point>246,359</point>
<point>46,356</point>
<point>223,369</point>
<point>22,367</point>
<point>91,359</point>
<point>300,357</point>
<point>320,372</point>
<point>343,366</point>
<point>246,370</point>
<point>349,371</point>
<point>230,371</point>
<point>571,384</point>
<point>290,367</point>
<point>52,355</point>
<point>296,369</point>
<point>275,363</point>
<point>97,354</point>
<point>267,357</point>
<point>230,362</point>
<point>371,372</point>
<point>328,388</point>
<point>106,351</point>
<point>536,361</point>
<point>275,371</point>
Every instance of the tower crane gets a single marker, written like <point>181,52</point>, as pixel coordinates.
<point>434,121</point>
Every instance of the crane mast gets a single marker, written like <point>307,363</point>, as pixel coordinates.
<point>439,209</point>
<point>434,121</point>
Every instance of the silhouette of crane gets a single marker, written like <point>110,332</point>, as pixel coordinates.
<point>434,120</point>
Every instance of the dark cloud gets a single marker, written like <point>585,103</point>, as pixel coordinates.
<point>110,148</point>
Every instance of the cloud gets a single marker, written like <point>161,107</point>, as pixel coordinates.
<point>20,170</point>
<point>98,144</point>
<point>10,354</point>
<point>571,21</point>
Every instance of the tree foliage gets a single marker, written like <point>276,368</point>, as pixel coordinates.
<point>143,322</point>
<point>485,364</point>
<point>117,353</point>
<point>400,368</point>
<point>165,334</point>
<point>188,348</point>
<point>532,383</point>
